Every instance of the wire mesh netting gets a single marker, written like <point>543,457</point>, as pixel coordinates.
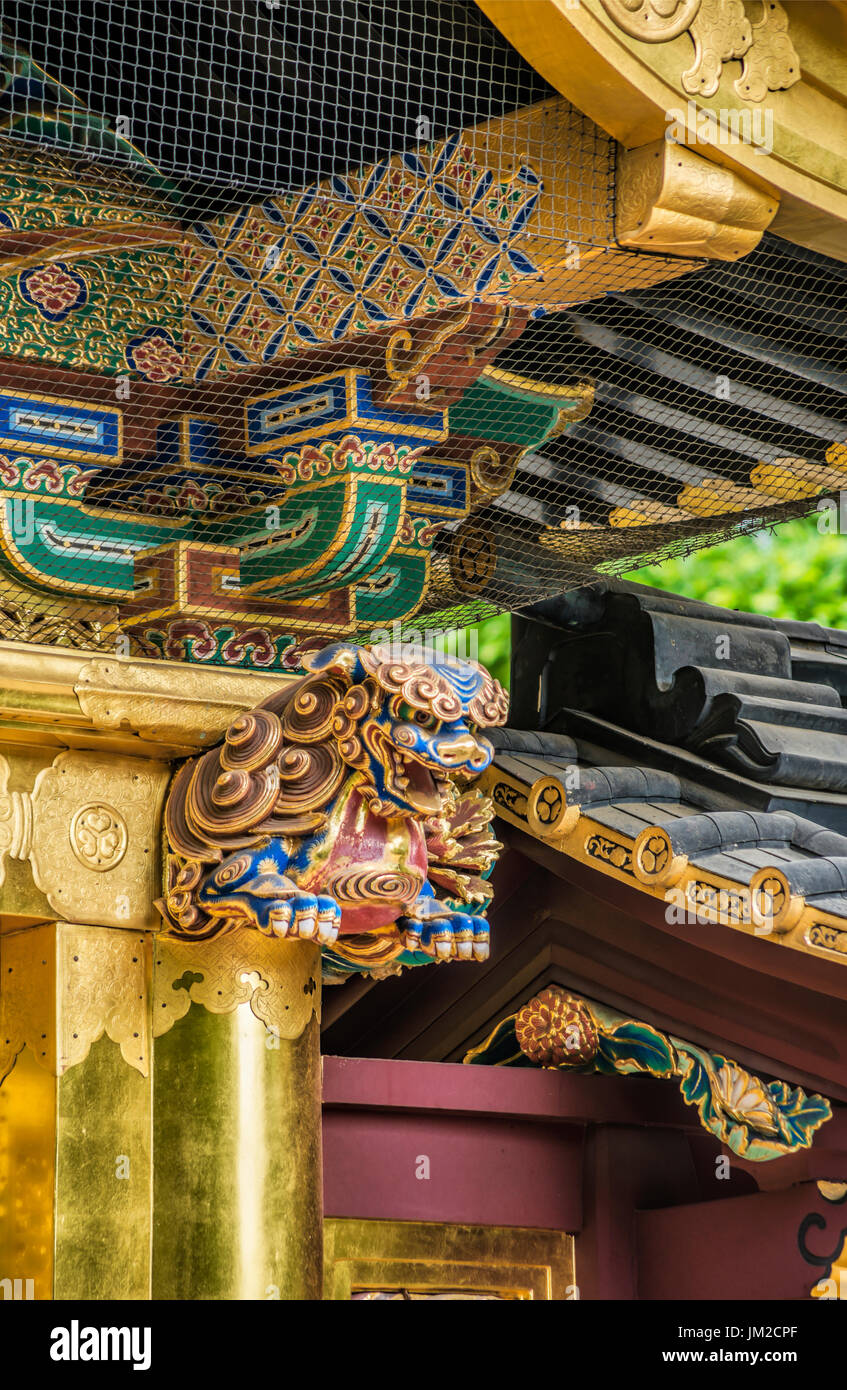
<point>314,319</point>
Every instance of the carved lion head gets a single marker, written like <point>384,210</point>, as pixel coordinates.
<point>406,729</point>
<point>410,726</point>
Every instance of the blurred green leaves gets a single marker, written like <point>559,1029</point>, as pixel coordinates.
<point>495,645</point>
<point>792,571</point>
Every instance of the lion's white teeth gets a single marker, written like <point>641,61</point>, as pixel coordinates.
<point>399,765</point>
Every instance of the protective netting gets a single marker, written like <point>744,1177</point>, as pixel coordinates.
<point>314,319</point>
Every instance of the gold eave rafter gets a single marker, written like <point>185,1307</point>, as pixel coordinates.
<point>711,898</point>
<point>627,85</point>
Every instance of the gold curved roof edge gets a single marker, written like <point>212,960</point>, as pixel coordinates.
<point>793,140</point>
<point>763,907</point>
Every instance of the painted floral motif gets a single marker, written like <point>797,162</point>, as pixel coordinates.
<point>350,452</point>
<point>44,475</point>
<point>212,498</point>
<point>251,646</point>
<point>44,471</point>
<point>555,1029</point>
<point>155,355</point>
<point>415,234</point>
<point>244,646</point>
<point>758,1120</point>
<point>745,1098</point>
<point>418,531</point>
<point>93,336</point>
<point>55,290</point>
<point>257,324</point>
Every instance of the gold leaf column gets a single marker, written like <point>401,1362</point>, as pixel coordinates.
<point>237,1176</point>
<point>75,1111</point>
<point>159,1100</point>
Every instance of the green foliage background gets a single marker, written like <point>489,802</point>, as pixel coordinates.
<point>792,571</point>
<point>494,638</point>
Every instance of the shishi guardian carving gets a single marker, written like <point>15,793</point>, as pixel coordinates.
<point>339,811</point>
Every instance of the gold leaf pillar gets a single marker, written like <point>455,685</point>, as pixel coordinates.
<point>159,1101</point>
<point>75,1111</point>
<point>237,1180</point>
<point>186,1169</point>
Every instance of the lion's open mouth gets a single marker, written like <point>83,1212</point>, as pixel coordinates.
<point>411,780</point>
